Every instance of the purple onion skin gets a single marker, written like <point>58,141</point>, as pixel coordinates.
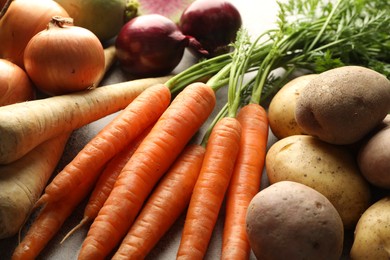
<point>213,23</point>
<point>150,45</point>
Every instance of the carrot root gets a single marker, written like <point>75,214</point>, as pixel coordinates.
<point>245,181</point>
<point>112,139</point>
<point>210,188</point>
<point>25,125</point>
<point>183,118</point>
<point>164,206</point>
<point>105,183</point>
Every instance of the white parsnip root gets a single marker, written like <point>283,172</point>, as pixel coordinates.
<point>22,182</point>
<point>23,126</point>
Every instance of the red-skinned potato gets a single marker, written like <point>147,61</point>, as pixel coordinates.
<point>289,220</point>
<point>15,86</point>
<point>374,156</point>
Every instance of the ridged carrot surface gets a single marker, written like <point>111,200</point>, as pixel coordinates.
<point>210,188</point>
<point>245,181</point>
<point>113,138</point>
<point>171,133</point>
<point>167,202</point>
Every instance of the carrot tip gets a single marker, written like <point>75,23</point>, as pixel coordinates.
<point>82,223</point>
<point>40,203</point>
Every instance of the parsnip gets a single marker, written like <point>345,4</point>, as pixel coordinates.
<point>25,125</point>
<point>22,182</point>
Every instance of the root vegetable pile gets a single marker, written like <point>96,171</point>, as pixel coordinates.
<point>145,168</point>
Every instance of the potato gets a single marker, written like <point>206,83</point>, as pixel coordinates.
<point>329,169</point>
<point>281,110</point>
<point>289,220</point>
<point>374,158</point>
<point>372,233</point>
<point>342,105</point>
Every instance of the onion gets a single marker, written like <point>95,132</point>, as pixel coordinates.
<point>15,86</point>
<point>151,45</point>
<point>212,23</point>
<point>22,20</point>
<point>64,58</point>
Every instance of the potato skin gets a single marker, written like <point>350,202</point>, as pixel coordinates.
<point>330,169</point>
<point>372,233</point>
<point>342,105</point>
<point>281,111</point>
<point>374,158</point>
<point>289,220</point>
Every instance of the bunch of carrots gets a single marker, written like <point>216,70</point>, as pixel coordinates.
<point>143,170</point>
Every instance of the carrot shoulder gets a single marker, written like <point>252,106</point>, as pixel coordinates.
<point>113,138</point>
<point>25,125</point>
<point>245,181</point>
<point>187,112</point>
<point>210,188</point>
<point>167,202</point>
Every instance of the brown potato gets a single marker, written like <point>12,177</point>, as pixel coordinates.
<point>372,232</point>
<point>289,220</point>
<point>281,111</point>
<point>330,169</point>
<point>342,105</point>
<point>374,158</point>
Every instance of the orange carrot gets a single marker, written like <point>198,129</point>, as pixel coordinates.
<point>183,118</point>
<point>121,131</point>
<point>165,205</point>
<point>245,181</point>
<point>25,125</point>
<point>210,188</point>
<point>48,222</point>
<point>106,182</point>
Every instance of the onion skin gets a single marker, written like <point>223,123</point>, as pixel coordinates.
<point>65,59</point>
<point>24,19</point>
<point>212,23</point>
<point>150,45</point>
<point>15,86</point>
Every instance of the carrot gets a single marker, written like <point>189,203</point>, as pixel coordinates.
<point>210,188</point>
<point>106,182</point>
<point>187,112</point>
<point>112,139</point>
<point>22,182</point>
<point>48,222</point>
<point>165,205</point>
<point>54,214</point>
<point>25,125</point>
<point>245,181</point>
